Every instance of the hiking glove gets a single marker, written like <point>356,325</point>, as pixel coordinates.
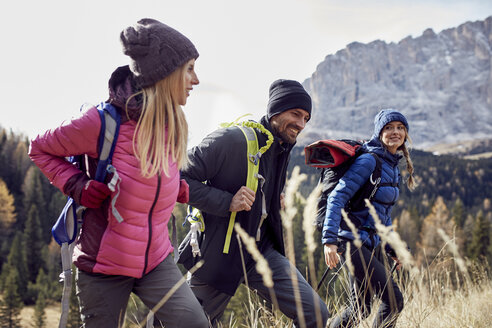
<point>93,194</point>
<point>184,192</point>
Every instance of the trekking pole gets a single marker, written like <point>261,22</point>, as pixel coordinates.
<point>394,267</point>
<point>323,277</point>
<point>326,273</point>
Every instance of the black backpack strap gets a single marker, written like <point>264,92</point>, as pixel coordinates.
<point>387,184</point>
<point>375,177</point>
<point>384,184</point>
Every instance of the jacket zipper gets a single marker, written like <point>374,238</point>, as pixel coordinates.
<point>150,223</point>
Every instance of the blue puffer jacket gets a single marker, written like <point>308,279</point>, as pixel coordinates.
<point>352,181</point>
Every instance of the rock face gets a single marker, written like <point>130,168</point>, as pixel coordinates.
<point>441,82</point>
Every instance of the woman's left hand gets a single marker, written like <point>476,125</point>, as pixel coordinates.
<point>331,255</point>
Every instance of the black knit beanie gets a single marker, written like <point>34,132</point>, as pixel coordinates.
<point>156,50</point>
<point>287,94</point>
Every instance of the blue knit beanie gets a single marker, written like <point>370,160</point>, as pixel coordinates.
<point>384,117</point>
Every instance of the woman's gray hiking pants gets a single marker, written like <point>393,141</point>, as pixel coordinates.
<point>103,298</point>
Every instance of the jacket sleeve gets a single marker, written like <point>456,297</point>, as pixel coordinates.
<point>347,186</point>
<point>208,161</point>
<point>75,137</point>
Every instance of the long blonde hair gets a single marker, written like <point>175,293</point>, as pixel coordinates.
<point>162,130</point>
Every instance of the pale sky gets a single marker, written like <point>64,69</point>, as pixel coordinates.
<point>59,54</point>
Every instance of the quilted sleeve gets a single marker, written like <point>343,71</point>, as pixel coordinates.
<point>347,186</point>
<point>75,137</point>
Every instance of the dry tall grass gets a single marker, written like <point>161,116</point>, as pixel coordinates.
<point>434,304</point>
<point>450,292</point>
<point>428,307</point>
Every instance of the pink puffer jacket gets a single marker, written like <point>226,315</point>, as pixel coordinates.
<point>139,243</point>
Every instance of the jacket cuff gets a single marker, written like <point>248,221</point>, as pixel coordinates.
<point>329,240</point>
<point>74,185</point>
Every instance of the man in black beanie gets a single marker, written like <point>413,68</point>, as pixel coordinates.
<point>288,96</point>
<point>217,176</point>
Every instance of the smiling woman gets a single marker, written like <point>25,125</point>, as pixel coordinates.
<point>362,243</point>
<point>393,136</point>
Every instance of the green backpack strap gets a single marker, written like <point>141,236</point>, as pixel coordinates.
<point>254,154</point>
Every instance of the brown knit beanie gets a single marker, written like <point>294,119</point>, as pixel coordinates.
<point>156,50</point>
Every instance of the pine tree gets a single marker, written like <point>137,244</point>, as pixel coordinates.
<point>32,244</point>
<point>40,312</point>
<point>16,260</point>
<point>20,162</point>
<point>467,233</point>
<point>459,213</point>
<point>34,195</point>
<point>480,238</point>
<point>10,303</point>
<point>41,286</point>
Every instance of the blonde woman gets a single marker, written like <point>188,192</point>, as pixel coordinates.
<point>371,276</point>
<point>131,253</point>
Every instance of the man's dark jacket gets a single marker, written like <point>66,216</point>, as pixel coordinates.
<point>220,161</point>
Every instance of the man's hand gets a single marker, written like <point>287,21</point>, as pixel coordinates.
<point>242,200</point>
<point>331,256</point>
